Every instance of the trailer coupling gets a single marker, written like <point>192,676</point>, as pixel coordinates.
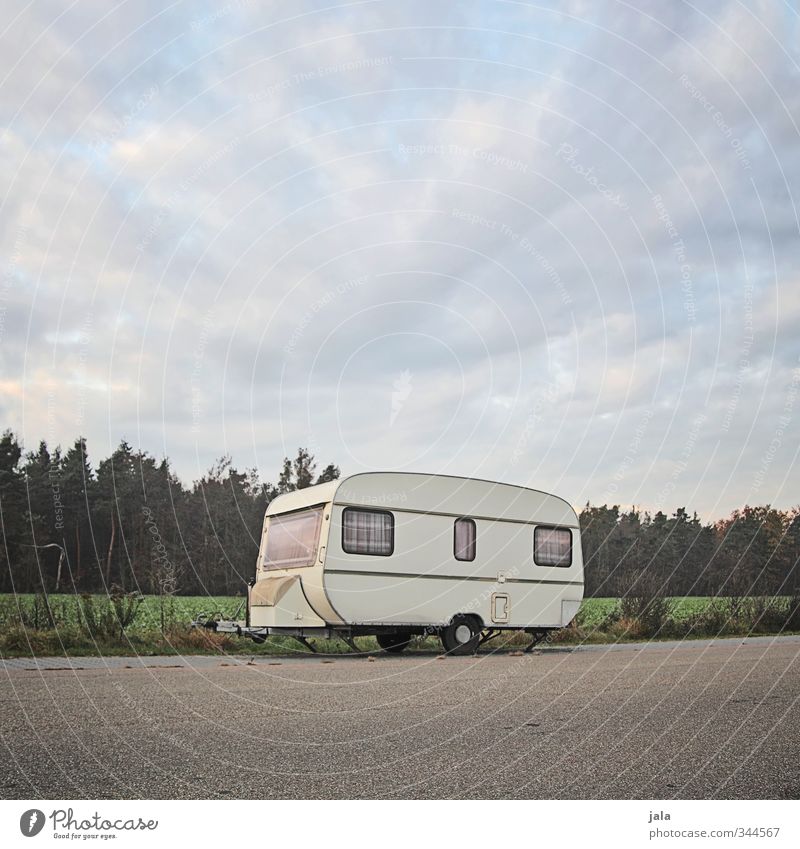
<point>259,634</point>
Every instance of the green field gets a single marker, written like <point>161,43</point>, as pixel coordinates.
<point>183,609</point>
<point>27,628</point>
<point>594,610</point>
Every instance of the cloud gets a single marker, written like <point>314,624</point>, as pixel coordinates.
<point>231,231</point>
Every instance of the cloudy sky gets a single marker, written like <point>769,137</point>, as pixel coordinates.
<point>555,244</point>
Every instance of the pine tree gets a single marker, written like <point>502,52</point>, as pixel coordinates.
<point>77,488</point>
<point>12,501</point>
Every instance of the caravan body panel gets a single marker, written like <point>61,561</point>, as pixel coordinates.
<point>419,580</point>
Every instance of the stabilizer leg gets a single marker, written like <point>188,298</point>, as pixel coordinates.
<point>348,641</point>
<point>538,636</point>
<point>306,643</point>
<point>487,635</point>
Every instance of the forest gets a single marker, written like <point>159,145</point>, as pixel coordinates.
<point>130,524</point>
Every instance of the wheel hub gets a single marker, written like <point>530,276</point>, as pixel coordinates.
<point>463,634</point>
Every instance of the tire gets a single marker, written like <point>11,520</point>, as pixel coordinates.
<point>461,636</point>
<point>393,643</point>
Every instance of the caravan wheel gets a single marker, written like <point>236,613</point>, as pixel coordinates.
<point>461,636</point>
<point>393,643</point>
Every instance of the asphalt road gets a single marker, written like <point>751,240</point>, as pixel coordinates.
<point>694,720</point>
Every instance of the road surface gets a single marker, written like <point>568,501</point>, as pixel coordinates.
<point>687,720</point>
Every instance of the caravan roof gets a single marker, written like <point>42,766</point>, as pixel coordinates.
<point>431,493</point>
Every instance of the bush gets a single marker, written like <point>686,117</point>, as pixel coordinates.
<point>714,620</point>
<point>646,612</point>
<point>572,633</point>
<point>793,613</point>
<point>109,617</point>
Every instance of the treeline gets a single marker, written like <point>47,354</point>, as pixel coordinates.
<point>131,524</point>
<point>753,552</point>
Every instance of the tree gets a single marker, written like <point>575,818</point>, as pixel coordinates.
<point>304,466</point>
<point>77,488</point>
<point>12,500</point>
<point>329,473</point>
<point>115,512</point>
<point>135,525</point>
<point>44,515</point>
<point>285,479</point>
<point>598,529</point>
<point>299,473</point>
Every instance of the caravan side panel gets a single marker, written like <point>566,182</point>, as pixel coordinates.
<point>423,583</point>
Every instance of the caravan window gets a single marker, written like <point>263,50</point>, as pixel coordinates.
<point>464,539</point>
<point>367,532</point>
<point>552,546</point>
<point>292,539</point>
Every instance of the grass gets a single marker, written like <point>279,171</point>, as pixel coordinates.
<point>27,628</point>
<point>181,609</point>
<point>594,610</point>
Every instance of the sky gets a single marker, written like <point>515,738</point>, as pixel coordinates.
<point>553,244</point>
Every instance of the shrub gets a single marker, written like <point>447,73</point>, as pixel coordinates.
<point>712,621</point>
<point>793,613</point>
<point>109,617</point>
<point>647,609</point>
<point>624,628</point>
<point>572,633</point>
<point>767,613</point>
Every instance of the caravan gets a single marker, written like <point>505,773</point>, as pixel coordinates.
<point>397,554</point>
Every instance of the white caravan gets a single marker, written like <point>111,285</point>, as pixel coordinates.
<point>395,554</point>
